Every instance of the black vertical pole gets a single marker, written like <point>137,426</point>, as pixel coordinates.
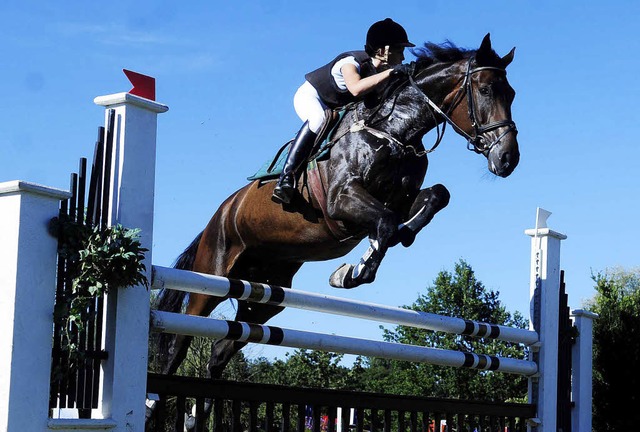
<point>108,152</point>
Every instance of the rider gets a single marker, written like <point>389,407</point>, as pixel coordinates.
<point>345,79</point>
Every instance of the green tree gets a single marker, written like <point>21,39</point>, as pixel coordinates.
<point>457,294</point>
<point>616,342</point>
<point>305,368</point>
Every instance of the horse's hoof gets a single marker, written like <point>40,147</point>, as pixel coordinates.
<point>189,423</point>
<point>342,278</point>
<point>150,406</point>
<point>190,420</point>
<point>408,242</point>
<point>407,237</point>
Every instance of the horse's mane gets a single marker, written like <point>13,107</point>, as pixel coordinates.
<point>446,52</point>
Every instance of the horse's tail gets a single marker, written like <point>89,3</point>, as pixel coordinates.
<point>171,300</point>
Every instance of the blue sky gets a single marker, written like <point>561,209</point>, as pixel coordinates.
<point>228,73</point>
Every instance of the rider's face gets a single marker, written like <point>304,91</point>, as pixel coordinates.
<point>396,55</point>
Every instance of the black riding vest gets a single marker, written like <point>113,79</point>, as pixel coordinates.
<point>322,80</point>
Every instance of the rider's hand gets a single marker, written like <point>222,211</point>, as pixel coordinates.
<point>401,69</point>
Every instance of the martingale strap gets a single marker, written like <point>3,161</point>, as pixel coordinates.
<point>361,126</point>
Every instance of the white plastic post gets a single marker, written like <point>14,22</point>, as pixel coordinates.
<point>126,328</point>
<point>27,293</point>
<point>545,277</point>
<point>582,371</point>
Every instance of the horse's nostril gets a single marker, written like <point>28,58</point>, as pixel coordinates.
<point>504,158</point>
<point>506,161</point>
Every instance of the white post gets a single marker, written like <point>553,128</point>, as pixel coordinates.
<point>582,370</point>
<point>27,295</point>
<point>544,294</point>
<point>126,328</point>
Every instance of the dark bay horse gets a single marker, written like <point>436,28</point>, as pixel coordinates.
<point>372,181</point>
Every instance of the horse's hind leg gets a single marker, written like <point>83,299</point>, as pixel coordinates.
<point>199,304</point>
<point>178,345</point>
<point>222,351</point>
<point>277,274</point>
<point>428,202</point>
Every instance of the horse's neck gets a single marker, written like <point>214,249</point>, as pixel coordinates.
<point>436,82</point>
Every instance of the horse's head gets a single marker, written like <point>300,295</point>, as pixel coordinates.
<point>481,108</point>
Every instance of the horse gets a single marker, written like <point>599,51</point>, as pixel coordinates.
<point>372,182</point>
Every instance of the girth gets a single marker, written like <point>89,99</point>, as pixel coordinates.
<point>318,197</point>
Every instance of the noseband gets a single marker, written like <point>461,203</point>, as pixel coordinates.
<point>477,141</point>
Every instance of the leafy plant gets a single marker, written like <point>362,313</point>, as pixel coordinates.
<point>98,259</point>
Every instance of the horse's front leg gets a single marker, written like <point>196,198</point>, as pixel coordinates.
<point>428,202</point>
<point>353,204</point>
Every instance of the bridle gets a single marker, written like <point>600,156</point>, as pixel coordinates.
<point>475,142</point>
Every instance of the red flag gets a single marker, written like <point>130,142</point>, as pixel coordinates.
<point>143,85</point>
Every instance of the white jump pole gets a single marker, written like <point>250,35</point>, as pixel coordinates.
<point>544,305</point>
<point>27,296</point>
<point>191,325</point>
<point>126,318</point>
<point>193,282</point>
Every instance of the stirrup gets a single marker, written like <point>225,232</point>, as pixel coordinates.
<point>282,194</point>
<point>285,188</point>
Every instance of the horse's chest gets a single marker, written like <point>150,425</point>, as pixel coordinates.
<point>386,171</point>
<point>393,175</point>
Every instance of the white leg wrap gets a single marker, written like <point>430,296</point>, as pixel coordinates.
<point>413,223</point>
<point>374,247</point>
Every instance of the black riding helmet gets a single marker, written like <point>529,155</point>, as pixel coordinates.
<point>386,32</point>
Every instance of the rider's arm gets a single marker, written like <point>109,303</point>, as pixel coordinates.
<point>359,86</point>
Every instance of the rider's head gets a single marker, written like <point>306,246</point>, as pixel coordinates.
<point>386,41</point>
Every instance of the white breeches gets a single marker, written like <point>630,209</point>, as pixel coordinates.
<point>309,106</point>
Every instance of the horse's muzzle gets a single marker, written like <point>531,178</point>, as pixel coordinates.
<point>503,157</point>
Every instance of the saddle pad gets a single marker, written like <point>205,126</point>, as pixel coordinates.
<point>264,173</point>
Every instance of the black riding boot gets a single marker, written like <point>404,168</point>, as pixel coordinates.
<point>298,154</point>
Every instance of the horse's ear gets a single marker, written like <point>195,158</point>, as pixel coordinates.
<point>484,52</point>
<point>485,46</point>
<point>506,60</point>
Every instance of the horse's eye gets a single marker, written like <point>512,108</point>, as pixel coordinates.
<point>484,91</point>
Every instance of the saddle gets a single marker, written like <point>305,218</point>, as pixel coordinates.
<point>312,179</point>
<point>273,168</point>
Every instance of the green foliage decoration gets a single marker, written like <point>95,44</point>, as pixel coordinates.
<point>98,259</point>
